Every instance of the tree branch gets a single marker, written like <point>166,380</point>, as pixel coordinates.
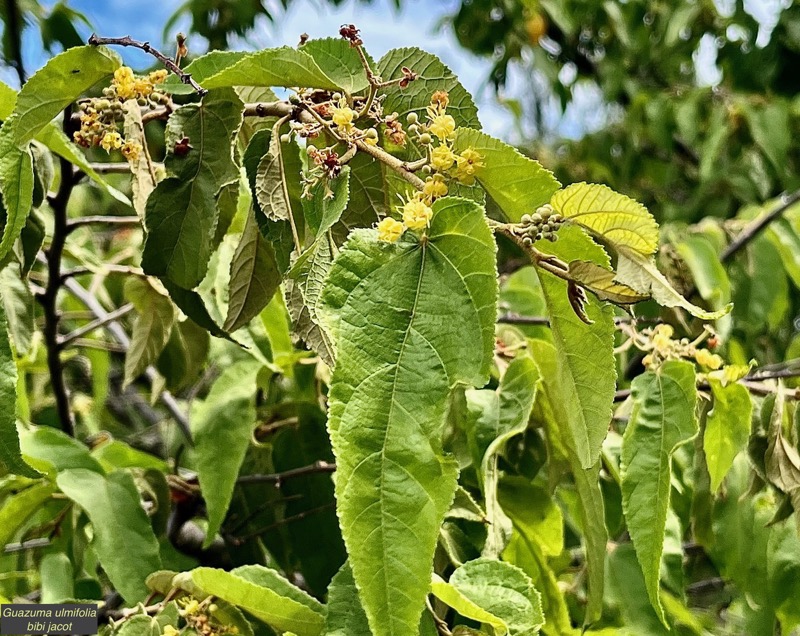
<point>278,478</point>
<point>49,299</point>
<point>186,78</point>
<point>14,33</point>
<point>74,224</point>
<point>96,324</point>
<point>118,333</point>
<point>757,225</point>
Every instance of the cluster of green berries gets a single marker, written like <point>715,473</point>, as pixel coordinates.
<point>542,224</point>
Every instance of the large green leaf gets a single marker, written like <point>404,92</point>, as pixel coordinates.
<point>487,589</point>
<point>48,448</point>
<point>586,352</point>
<point>181,213</point>
<point>494,417</point>
<point>345,616</point>
<point>517,184</point>
<point>192,305</point>
<point>59,83</point>
<point>321,211</point>
<point>612,217</point>
<point>433,76</point>
<point>340,62</point>
<point>254,276</point>
<point>271,183</point>
<point>123,537</point>
<point>663,418</point>
<point>727,428</point>
<point>261,592</point>
<point>224,421</point>
<point>18,306</point>
<point>16,184</point>
<point>410,320</point>
<point>283,66</point>
<point>555,408</point>
<point>10,457</point>
<point>202,68</point>
<point>152,327</point>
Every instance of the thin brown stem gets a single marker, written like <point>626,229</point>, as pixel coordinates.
<point>186,78</point>
<point>278,478</point>
<point>392,162</point>
<point>74,224</point>
<point>95,324</point>
<point>755,227</point>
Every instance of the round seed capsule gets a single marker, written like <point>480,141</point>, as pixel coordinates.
<point>413,129</point>
<point>425,139</point>
<point>426,169</point>
<point>527,240</point>
<point>412,118</point>
<point>536,217</point>
<point>371,134</point>
<point>336,97</point>
<point>286,138</point>
<point>526,218</point>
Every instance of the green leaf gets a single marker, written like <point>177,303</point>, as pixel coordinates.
<point>190,303</point>
<point>58,83</point>
<point>55,573</point>
<point>10,457</point>
<point>201,68</point>
<point>181,213</point>
<point>452,597</point>
<point>8,98</point>
<point>283,66</point>
<point>586,352</point>
<point>501,590</point>
<point>224,420</point>
<point>517,184</point>
<point>321,211</point>
<point>662,419</point>
<point>54,138</point>
<point>18,308</point>
<point>143,175</point>
<point>433,76</point>
<point>303,288</point>
<point>16,183</point>
<point>641,274</point>
<point>727,428</point>
<point>118,519</point>
<point>555,409</point>
<point>18,509</point>
<point>254,276</point>
<point>264,594</point>
<point>345,616</point>
<point>50,448</point>
<point>182,360</point>
<point>271,187</point>
<point>612,217</point>
<point>151,329</point>
<point>600,281</point>
<point>340,62</point>
<point>410,321</point>
<point>494,417</point>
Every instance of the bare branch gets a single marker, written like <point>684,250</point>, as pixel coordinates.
<point>74,224</point>
<point>278,478</point>
<point>96,324</point>
<point>755,227</point>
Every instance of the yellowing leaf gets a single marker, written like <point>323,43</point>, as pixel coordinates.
<point>640,273</point>
<point>613,217</point>
<point>600,281</point>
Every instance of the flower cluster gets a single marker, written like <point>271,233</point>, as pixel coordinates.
<point>100,117</point>
<point>662,346</point>
<point>199,619</point>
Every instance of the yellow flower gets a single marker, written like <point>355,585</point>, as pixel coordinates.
<point>390,230</point>
<point>142,87</point>
<point>468,163</point>
<point>417,214</point>
<point>123,74</point>
<point>111,140</point>
<point>169,630</point>
<point>442,158</point>
<point>131,150</point>
<point>158,77</point>
<point>189,608</point>
<point>343,116</point>
<point>707,359</point>
<point>434,187</point>
<point>124,82</point>
<point>443,126</point>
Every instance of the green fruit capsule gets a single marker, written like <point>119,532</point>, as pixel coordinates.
<point>412,118</point>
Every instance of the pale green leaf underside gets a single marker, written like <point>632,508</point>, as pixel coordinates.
<point>517,184</point>
<point>271,189</point>
<point>449,595</point>
<point>663,418</point>
<point>265,595</point>
<point>600,281</point>
<point>152,328</point>
<point>224,420</point>
<point>283,66</point>
<point>502,590</point>
<point>340,62</point>
<point>727,428</point>
<point>410,320</point>
<point>641,274</point>
<point>615,218</point>
<point>118,519</point>
<point>58,83</point>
